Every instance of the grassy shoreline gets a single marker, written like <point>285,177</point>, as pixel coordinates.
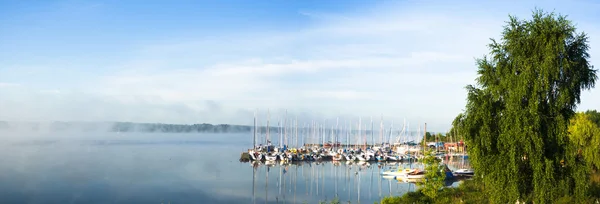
<point>472,191</point>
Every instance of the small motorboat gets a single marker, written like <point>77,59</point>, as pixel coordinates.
<point>271,157</point>
<point>414,176</point>
<point>464,172</point>
<point>398,172</point>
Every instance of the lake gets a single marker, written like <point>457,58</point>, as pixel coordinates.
<point>172,168</point>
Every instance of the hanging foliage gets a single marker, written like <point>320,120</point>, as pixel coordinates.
<point>517,115</point>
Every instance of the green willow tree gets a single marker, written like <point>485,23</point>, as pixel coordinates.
<point>517,114</point>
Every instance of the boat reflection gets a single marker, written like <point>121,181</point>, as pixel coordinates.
<point>356,182</point>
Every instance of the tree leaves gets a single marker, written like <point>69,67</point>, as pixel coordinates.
<point>517,114</point>
<point>585,135</point>
<point>434,176</point>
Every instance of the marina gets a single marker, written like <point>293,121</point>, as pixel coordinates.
<point>353,145</point>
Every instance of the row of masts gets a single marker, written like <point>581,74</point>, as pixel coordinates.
<point>315,133</point>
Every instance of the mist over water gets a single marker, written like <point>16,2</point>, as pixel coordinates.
<point>178,168</point>
<point>117,168</point>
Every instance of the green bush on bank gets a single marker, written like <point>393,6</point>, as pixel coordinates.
<point>472,191</point>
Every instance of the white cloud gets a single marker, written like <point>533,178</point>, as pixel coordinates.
<point>364,65</point>
<point>400,60</point>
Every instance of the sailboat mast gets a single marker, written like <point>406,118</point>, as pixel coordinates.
<point>381,130</point>
<point>313,133</point>
<point>323,131</point>
<point>365,137</point>
<point>348,131</point>
<point>285,140</point>
<point>332,139</point>
<point>407,132</point>
<point>424,137</point>
<point>268,129</point>
<point>337,131</point>
<point>419,132</point>
<point>254,132</point>
<point>391,130</point>
<point>359,129</point>
<point>303,134</point>
<point>372,133</point>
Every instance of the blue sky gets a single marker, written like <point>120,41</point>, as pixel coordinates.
<point>218,61</point>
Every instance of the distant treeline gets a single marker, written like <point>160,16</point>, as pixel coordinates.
<point>134,127</point>
<point>166,128</point>
<point>125,127</point>
<point>179,128</point>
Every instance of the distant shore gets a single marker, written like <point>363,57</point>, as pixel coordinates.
<point>125,127</point>
<point>60,126</point>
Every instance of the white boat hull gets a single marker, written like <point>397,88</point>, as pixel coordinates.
<point>398,173</point>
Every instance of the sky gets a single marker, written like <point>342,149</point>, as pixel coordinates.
<point>220,61</point>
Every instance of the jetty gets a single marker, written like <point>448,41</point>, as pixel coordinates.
<point>353,141</point>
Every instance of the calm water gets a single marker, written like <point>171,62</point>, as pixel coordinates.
<point>175,168</point>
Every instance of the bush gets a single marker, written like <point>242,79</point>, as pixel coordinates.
<point>470,191</point>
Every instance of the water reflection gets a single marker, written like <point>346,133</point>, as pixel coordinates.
<point>176,168</point>
<point>312,182</point>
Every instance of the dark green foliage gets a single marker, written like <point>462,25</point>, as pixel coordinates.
<point>432,137</point>
<point>594,190</point>
<point>517,115</point>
